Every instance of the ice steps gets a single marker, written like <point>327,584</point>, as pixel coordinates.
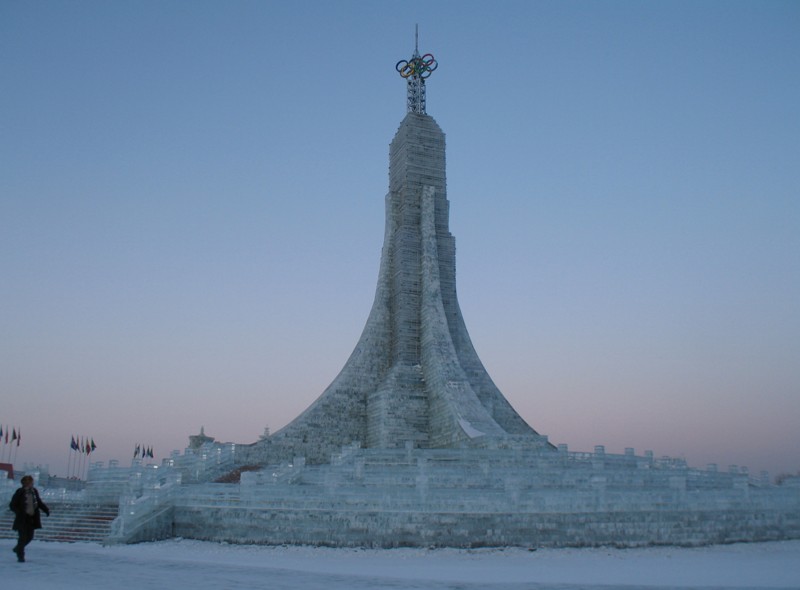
<point>68,523</point>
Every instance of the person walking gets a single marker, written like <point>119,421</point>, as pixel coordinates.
<point>26,506</point>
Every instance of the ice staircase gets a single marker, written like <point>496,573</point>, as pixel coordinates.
<point>68,523</point>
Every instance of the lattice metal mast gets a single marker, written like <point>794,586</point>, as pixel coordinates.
<point>416,70</point>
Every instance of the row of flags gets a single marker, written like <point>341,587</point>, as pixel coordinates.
<point>10,435</point>
<point>82,444</point>
<point>80,447</point>
<point>143,451</point>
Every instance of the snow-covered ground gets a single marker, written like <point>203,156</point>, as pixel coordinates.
<point>183,564</point>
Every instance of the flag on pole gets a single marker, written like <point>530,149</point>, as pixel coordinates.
<point>14,435</point>
<point>19,436</point>
<point>1,431</point>
<point>73,444</point>
<point>94,446</point>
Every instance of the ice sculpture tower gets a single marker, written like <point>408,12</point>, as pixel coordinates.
<point>414,377</point>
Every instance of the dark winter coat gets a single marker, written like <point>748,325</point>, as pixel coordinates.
<point>25,521</point>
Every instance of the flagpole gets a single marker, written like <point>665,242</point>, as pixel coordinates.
<point>77,462</point>
<point>83,458</point>
<point>69,456</point>
<point>13,440</point>
<point>72,457</point>
<point>75,458</point>
<point>92,447</point>
<point>15,450</point>
<point>87,462</point>
<point>11,447</point>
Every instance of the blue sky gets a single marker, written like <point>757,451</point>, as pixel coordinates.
<point>191,214</point>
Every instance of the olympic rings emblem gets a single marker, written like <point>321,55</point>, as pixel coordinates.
<point>417,66</point>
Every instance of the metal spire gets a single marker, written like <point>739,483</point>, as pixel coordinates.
<point>415,71</point>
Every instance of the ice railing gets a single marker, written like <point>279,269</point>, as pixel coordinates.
<point>421,498</point>
<point>209,461</point>
<point>598,459</point>
<point>63,495</point>
<point>194,465</point>
<point>221,494</point>
<point>149,495</point>
<point>396,479</point>
<point>665,462</point>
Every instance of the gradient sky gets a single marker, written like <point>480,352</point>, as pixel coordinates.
<point>191,215</point>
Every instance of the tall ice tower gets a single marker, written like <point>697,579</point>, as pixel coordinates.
<point>414,377</point>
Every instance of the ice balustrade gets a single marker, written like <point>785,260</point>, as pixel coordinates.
<point>60,494</point>
<point>209,461</point>
<point>391,480</point>
<point>444,500</point>
<point>147,503</point>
